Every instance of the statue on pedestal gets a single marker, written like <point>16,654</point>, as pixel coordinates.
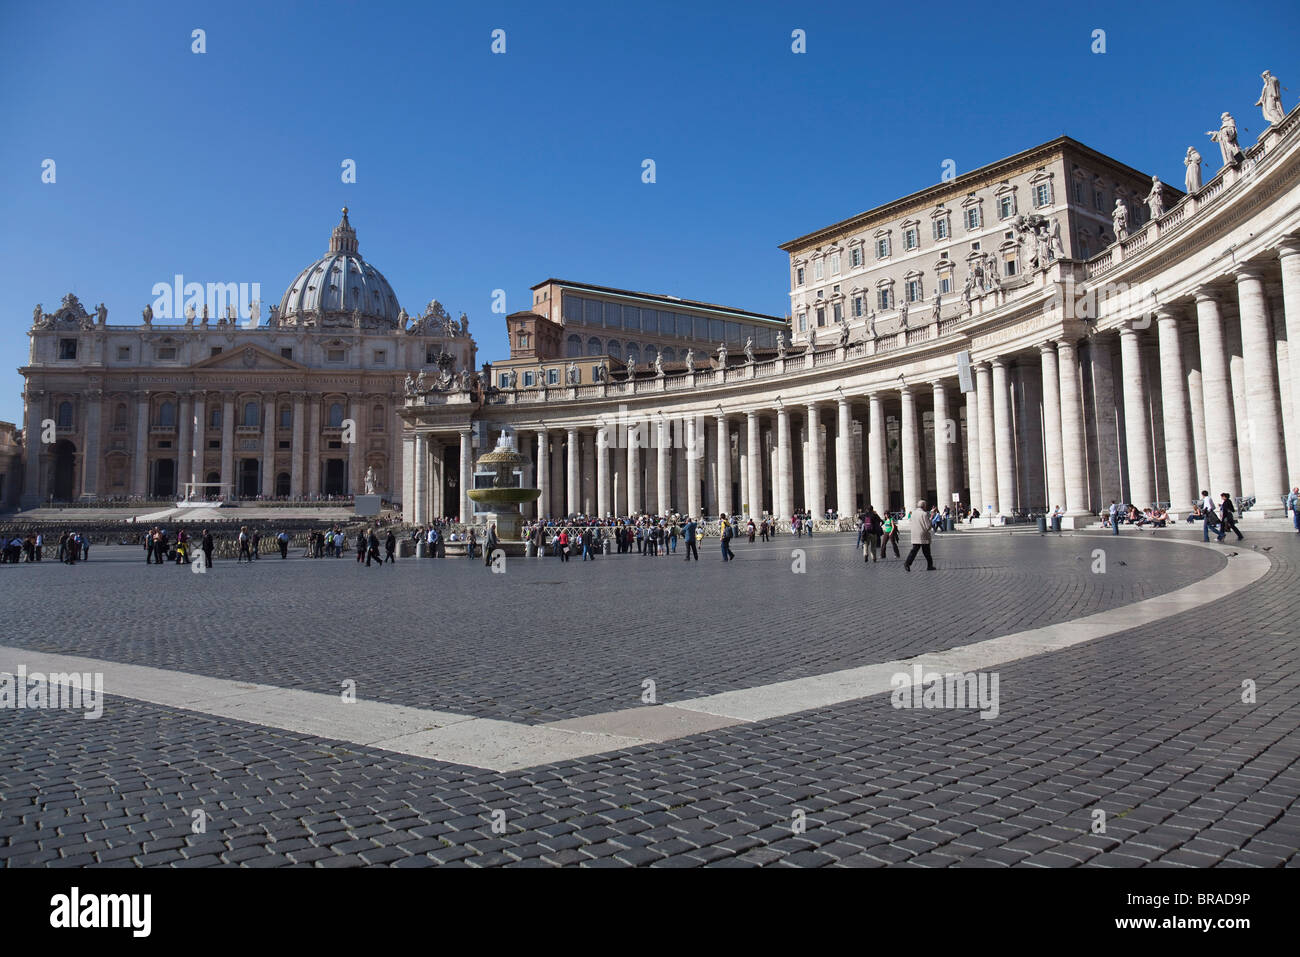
<point>1119,219</point>
<point>512,378</point>
<point>421,386</point>
<point>403,320</point>
<point>101,314</point>
<point>371,480</point>
<point>749,348</point>
<point>937,309</point>
<point>690,361</point>
<point>1270,100</point>
<point>844,333</point>
<point>254,312</point>
<point>1058,247</point>
<point>631,364</point>
<point>410,384</point>
<point>189,314</point>
<point>780,345</point>
<point>38,314</point>
<point>902,314</point>
<point>1192,181</point>
<point>871,324</point>
<point>148,315</point>
<point>1226,137</point>
<point>1155,199</point>
<point>573,373</point>
<point>205,315</point>
<point>659,365</point>
<point>722,355</point>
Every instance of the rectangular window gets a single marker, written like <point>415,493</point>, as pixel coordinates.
<point>701,327</point>
<point>817,269</point>
<point>1078,191</point>
<point>855,257</point>
<point>1010,269</point>
<point>911,238</point>
<point>857,306</point>
<point>803,322</point>
<point>503,380</point>
<point>123,353</point>
<point>973,217</point>
<point>552,376</point>
<point>214,420</point>
<point>215,351</point>
<point>613,315</point>
<point>821,317</point>
<point>285,444</point>
<point>798,276</point>
<point>1098,199</point>
<point>941,228</point>
<point>913,290</point>
<point>430,356</point>
<point>835,264</point>
<point>632,318</point>
<point>1006,206</point>
<point>733,332</point>
<point>67,348</point>
<point>839,312</point>
<point>166,352</point>
<point>1043,194</point>
<point>380,356</point>
<point>286,352</point>
<point>214,443</point>
<point>650,321</point>
<point>336,355</point>
<point>715,330</point>
<point>882,247</point>
<point>572,308</point>
<point>945,284</point>
<point>885,298</point>
<point>590,312</point>
<point>530,379</point>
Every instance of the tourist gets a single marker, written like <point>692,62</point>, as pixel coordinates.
<point>338,543</point>
<point>205,545</point>
<point>1228,518</point>
<point>751,529</point>
<point>725,537</point>
<point>256,541</point>
<point>283,541</point>
<point>390,548</point>
<point>244,546</point>
<point>888,535</point>
<point>562,544</point>
<point>471,539</point>
<point>673,532</point>
<point>1114,517</point>
<point>372,549</point>
<point>920,539</point>
<point>1292,502</point>
<point>689,534</point>
<point>869,534</point>
<point>490,543</point>
<point>40,541</point>
<point>763,530</point>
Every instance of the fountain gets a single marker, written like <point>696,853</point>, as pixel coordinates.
<point>502,497</point>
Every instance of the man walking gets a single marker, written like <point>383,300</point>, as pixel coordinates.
<point>1114,518</point>
<point>920,539</point>
<point>206,548</point>
<point>692,544</point>
<point>1227,518</point>
<point>1292,502</point>
<point>283,541</point>
<point>490,542</point>
<point>727,553</point>
<point>1207,515</point>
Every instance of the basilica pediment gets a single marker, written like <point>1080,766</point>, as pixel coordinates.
<point>249,357</point>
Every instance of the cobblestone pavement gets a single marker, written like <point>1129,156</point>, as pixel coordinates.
<point>546,641</point>
<point>1147,726</point>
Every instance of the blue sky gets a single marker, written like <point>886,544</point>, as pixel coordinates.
<point>478,171</point>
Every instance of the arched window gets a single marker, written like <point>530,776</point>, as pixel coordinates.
<point>377,419</point>
<point>336,415</point>
<point>286,417</point>
<point>65,415</point>
<point>119,415</point>
<point>251,416</point>
<point>650,352</point>
<point>593,347</point>
<point>614,348</point>
<point>167,414</point>
<point>574,347</point>
<point>669,355</point>
<point>633,352</point>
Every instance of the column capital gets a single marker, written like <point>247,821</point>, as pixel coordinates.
<point>1290,246</point>
<point>1247,272</point>
<point>1048,346</point>
<point>1206,294</point>
<point>1168,314</point>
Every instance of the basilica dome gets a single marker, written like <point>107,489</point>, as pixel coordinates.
<point>340,289</point>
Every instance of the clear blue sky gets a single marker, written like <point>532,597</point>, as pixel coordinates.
<point>478,171</point>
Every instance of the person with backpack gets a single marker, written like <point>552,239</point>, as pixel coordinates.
<point>727,553</point>
<point>689,536</point>
<point>869,535</point>
<point>283,541</point>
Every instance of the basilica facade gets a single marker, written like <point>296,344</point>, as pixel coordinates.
<point>1055,329</point>
<point>298,406</point>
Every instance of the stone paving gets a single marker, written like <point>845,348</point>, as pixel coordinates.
<point>1147,726</point>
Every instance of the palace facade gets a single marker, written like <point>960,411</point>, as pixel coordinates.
<point>298,406</point>
<point>1094,350</point>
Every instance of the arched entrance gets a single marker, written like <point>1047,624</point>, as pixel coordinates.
<point>248,487</point>
<point>164,478</point>
<point>282,485</point>
<point>63,488</point>
<point>336,477</point>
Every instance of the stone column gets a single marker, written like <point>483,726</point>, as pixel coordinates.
<point>1241,421</point>
<point>907,443</point>
<point>559,478</point>
<point>1289,253</point>
<point>408,478</point>
<point>754,463</point>
<point>845,499</point>
<point>723,466</point>
<point>586,473</point>
<point>785,466</point>
<point>93,402</point>
<point>543,473</point>
<point>295,468</point>
<point>815,499</point>
<point>1137,432</point>
<point>268,445</point>
<point>1073,453</point>
<point>140,464</point>
<point>1175,413</point>
<point>1052,451</point>
<point>465,506</point>
<point>602,472</point>
<point>1263,408</point>
<point>945,434</point>
<point>184,436</point>
<point>877,468</point>
<point>634,437</point>
<point>988,451</point>
<point>663,456</point>
<point>356,449</point>
<point>693,453</point>
<point>422,504</point>
<point>973,445</point>
<point>313,446</point>
<point>435,453</point>
<point>1196,401</point>
<point>1004,438</point>
<point>198,440</point>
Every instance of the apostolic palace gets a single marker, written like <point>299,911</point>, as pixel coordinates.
<point>1052,329</point>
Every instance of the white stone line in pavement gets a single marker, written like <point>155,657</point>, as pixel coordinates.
<point>497,745</point>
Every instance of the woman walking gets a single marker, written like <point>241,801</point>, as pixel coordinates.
<point>1228,517</point>
<point>888,536</point>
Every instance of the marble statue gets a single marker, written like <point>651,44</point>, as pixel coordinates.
<point>1043,246</point>
<point>37,314</point>
<point>573,373</point>
<point>356,318</point>
<point>403,320</point>
<point>659,365</point>
<point>205,314</point>
<point>420,385</point>
<point>937,309</point>
<point>809,347</point>
<point>1192,181</point>
<point>464,379</point>
<point>871,324</point>
<point>254,311</point>
<point>101,313</point>
<point>690,360</point>
<point>464,324</point>
<point>371,480</point>
<point>749,348</point>
<point>148,315</point>
<point>631,364</point>
<point>1226,137</point>
<point>231,314</point>
<point>1119,219</point>
<point>902,314</point>
<point>780,345</point>
<point>189,314</point>
<point>844,333</point>
<point>1155,199</point>
<point>968,287</point>
<point>1058,247</point>
<point>274,319</point>
<point>722,355</point>
<point>410,384</point>
<point>512,379</point>
<point>1270,101</point>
